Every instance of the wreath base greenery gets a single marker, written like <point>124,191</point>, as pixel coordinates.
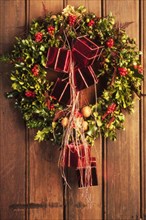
<point>118,69</point>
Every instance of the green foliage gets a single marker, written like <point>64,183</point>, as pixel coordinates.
<point>31,88</point>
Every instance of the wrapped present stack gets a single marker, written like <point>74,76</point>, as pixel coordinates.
<point>79,158</point>
<point>83,54</point>
<point>76,66</point>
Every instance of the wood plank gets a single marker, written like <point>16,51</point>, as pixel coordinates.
<point>46,191</point>
<point>12,129</point>
<point>122,157</point>
<point>143,112</point>
<point>91,5</point>
<point>36,7</point>
<point>82,203</point>
<point>45,182</point>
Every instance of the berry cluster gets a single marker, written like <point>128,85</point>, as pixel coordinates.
<point>72,20</point>
<point>122,71</point>
<point>35,70</point>
<point>110,43</point>
<point>38,36</point>
<point>30,94</point>
<point>91,23</point>
<point>51,30</point>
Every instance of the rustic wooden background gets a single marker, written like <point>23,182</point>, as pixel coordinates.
<point>30,184</point>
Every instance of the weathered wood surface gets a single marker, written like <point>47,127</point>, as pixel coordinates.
<point>143,113</point>
<point>30,183</point>
<point>46,187</point>
<point>123,156</point>
<point>12,130</point>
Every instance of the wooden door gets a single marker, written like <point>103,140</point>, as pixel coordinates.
<point>31,187</point>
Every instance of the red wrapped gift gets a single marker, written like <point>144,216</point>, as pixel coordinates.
<point>85,51</point>
<point>84,77</point>
<point>58,59</point>
<point>61,90</point>
<point>73,155</point>
<point>87,175</point>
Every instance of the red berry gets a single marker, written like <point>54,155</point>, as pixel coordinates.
<point>139,68</point>
<point>122,71</point>
<point>35,70</point>
<point>38,36</point>
<point>30,94</point>
<point>51,30</point>
<point>72,19</point>
<point>91,23</point>
<point>110,43</point>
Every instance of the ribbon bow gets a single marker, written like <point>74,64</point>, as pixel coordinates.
<point>83,54</point>
<point>76,64</point>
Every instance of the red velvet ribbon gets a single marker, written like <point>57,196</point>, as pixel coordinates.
<point>83,53</point>
<point>58,59</point>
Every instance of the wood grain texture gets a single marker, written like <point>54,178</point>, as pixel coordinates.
<point>123,156</point>
<point>45,188</point>
<point>143,112</point>
<point>30,182</point>
<point>91,5</point>
<point>12,130</point>
<point>12,23</point>
<point>45,182</point>
<point>82,203</point>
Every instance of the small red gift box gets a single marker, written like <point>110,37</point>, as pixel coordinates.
<point>61,90</point>
<point>85,51</point>
<point>74,155</point>
<point>58,59</point>
<point>84,77</point>
<point>87,175</point>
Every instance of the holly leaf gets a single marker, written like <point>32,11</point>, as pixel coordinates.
<point>139,75</point>
<point>40,136</point>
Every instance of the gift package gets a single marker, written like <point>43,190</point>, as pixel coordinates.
<point>79,158</point>
<point>87,176</point>
<point>61,90</point>
<point>84,77</point>
<point>84,51</point>
<point>73,155</point>
<point>58,59</point>
<point>76,71</point>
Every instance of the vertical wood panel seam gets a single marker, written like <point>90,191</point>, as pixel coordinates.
<point>27,15</point>
<point>27,173</point>
<point>142,159</point>
<point>27,145</point>
<point>140,117</point>
<point>102,8</point>
<point>65,2</point>
<point>104,149</point>
<point>104,173</point>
